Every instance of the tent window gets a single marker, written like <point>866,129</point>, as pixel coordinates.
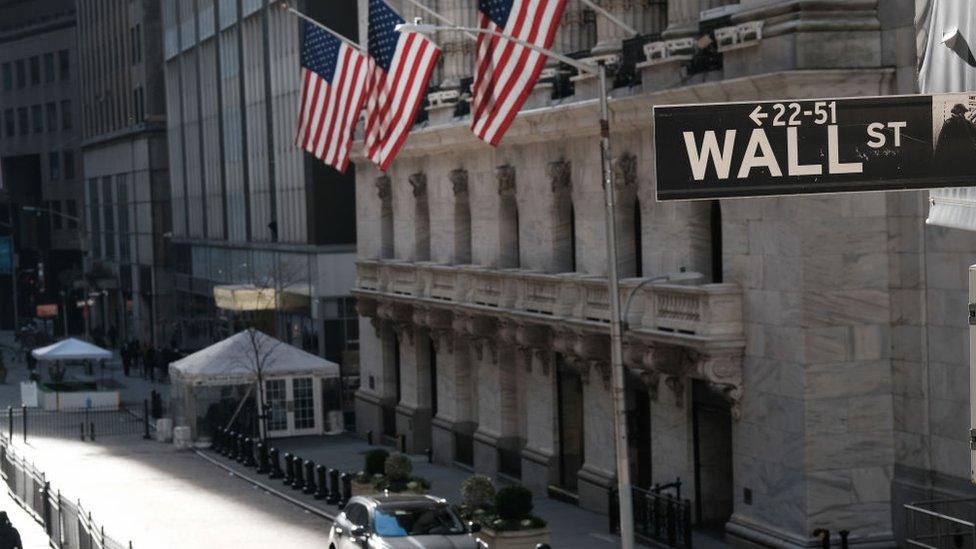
<point>275,394</point>
<point>304,403</point>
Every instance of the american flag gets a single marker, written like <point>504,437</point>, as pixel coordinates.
<point>333,91</point>
<point>400,66</point>
<point>506,72</point>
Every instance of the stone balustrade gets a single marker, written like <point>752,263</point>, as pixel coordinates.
<point>711,311</point>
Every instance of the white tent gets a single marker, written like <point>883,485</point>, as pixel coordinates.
<point>234,361</point>
<point>294,383</point>
<point>71,349</point>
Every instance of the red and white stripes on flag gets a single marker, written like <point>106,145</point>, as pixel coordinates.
<point>506,72</point>
<point>400,67</point>
<point>334,77</point>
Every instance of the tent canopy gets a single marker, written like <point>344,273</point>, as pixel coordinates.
<point>71,349</point>
<point>235,359</point>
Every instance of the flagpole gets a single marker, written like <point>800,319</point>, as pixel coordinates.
<point>613,18</point>
<point>300,15</point>
<point>440,18</point>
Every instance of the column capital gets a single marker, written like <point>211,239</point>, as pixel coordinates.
<point>419,183</point>
<point>625,171</point>
<point>384,188</point>
<point>560,179</point>
<point>505,174</point>
<point>459,181</point>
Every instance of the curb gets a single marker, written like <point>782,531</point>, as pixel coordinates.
<point>274,491</point>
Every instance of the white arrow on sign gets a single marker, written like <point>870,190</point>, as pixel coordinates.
<point>757,115</point>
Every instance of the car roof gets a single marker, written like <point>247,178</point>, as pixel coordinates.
<point>403,500</point>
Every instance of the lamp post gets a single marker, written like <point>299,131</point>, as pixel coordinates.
<point>616,341</point>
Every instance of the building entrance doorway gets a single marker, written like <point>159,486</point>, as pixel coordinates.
<point>712,425</point>
<point>639,436</point>
<point>569,418</point>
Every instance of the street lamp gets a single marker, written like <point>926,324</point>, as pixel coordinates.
<point>616,342</point>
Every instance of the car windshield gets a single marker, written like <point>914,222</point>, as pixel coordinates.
<point>416,521</point>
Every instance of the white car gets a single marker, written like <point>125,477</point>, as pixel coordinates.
<point>394,521</point>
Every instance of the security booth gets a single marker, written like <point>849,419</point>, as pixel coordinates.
<point>218,387</point>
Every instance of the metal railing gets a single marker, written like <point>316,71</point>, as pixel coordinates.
<point>941,524</point>
<point>67,524</point>
<point>84,423</point>
<point>658,517</point>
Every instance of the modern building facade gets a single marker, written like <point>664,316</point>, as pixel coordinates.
<point>40,162</point>
<point>811,375</point>
<point>126,182</point>
<point>252,214</point>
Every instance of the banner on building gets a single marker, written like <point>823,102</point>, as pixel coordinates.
<point>6,255</point>
<point>707,151</point>
<point>47,310</point>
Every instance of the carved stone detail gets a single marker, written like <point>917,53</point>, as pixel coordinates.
<point>419,183</point>
<point>384,189</point>
<point>677,386</point>
<point>724,374</point>
<point>505,175</point>
<point>625,171</point>
<point>459,181</point>
<point>560,179</point>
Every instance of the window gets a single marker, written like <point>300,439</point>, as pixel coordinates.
<point>136,33</point>
<point>21,74</point>
<point>35,70</point>
<point>108,218</point>
<point>72,213</point>
<point>304,402</point>
<point>65,65</point>
<point>8,77</point>
<point>49,67</point>
<point>94,219</point>
<point>54,166</point>
<point>138,102</point>
<point>37,117</point>
<point>122,208</point>
<point>57,219</point>
<point>10,126</point>
<point>22,120</point>
<point>277,412</point>
<point>69,165</point>
<point>52,116</point>
<point>66,122</point>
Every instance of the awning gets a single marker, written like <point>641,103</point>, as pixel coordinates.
<point>947,61</point>
<point>71,349</point>
<point>248,297</point>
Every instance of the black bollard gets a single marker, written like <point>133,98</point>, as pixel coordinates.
<point>274,471</point>
<point>335,493</point>
<point>369,437</point>
<point>145,419</point>
<point>289,470</point>
<point>309,477</point>
<point>91,431</point>
<point>346,489</point>
<point>231,451</point>
<point>249,452</point>
<point>299,481</point>
<point>241,448</point>
<point>321,484</point>
<point>262,459</point>
<point>82,425</point>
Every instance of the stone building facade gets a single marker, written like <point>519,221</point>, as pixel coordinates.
<point>126,187</point>
<point>811,375</point>
<point>40,161</point>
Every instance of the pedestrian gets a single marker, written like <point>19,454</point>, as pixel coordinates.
<point>9,536</point>
<point>150,363</point>
<point>126,359</point>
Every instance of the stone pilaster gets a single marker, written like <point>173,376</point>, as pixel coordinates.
<point>414,409</point>
<point>635,13</point>
<point>683,16</point>
<point>597,477</point>
<point>453,395</point>
<point>577,32</point>
<point>539,453</point>
<point>457,49</point>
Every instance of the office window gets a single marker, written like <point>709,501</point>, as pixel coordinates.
<point>122,208</point>
<point>52,116</point>
<point>69,165</point>
<point>8,77</point>
<point>56,218</point>
<point>108,217</point>
<point>72,213</point>
<point>65,65</point>
<point>49,67</point>
<point>54,165</point>
<point>35,70</point>
<point>22,120</point>
<point>21,74</point>
<point>138,103</point>
<point>66,122</point>
<point>37,117</point>
<point>95,231</point>
<point>136,35</point>
<point>8,122</point>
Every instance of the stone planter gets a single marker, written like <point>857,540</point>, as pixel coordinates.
<point>519,539</point>
<point>362,488</point>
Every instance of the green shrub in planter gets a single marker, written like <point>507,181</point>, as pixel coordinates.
<point>376,462</point>
<point>398,468</point>
<point>478,492</point>
<point>514,503</point>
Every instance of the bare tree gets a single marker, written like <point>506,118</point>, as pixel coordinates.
<point>256,356</point>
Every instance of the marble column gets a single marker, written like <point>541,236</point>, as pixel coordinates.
<point>672,454</point>
<point>457,49</point>
<point>538,455</point>
<point>597,476</point>
<point>635,13</point>
<point>378,387</point>
<point>413,411</point>
<point>577,31</point>
<point>453,396</point>
<point>489,386</point>
<point>683,16</point>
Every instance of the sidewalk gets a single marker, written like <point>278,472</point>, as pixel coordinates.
<point>32,534</point>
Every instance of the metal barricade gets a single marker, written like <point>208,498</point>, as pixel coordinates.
<point>941,524</point>
<point>658,517</point>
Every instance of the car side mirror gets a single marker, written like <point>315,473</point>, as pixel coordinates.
<point>474,527</point>
<point>358,531</point>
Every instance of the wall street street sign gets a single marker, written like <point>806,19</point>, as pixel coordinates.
<point>769,148</point>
